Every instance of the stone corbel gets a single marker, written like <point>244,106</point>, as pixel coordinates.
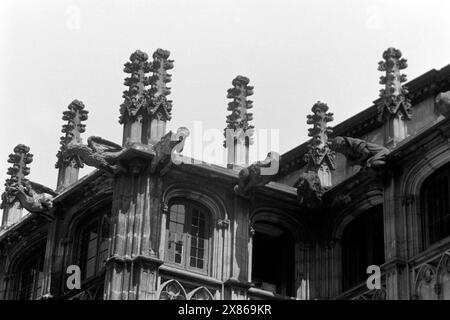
<point>164,208</point>
<point>223,224</point>
<point>251,231</point>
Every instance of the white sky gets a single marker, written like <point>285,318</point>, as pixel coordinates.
<point>294,52</point>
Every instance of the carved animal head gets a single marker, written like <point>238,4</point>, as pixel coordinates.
<point>442,102</point>
<point>46,201</point>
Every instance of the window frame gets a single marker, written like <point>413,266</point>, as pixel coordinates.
<point>429,185</point>
<point>36,259</point>
<point>353,230</point>
<point>187,236</point>
<point>80,259</point>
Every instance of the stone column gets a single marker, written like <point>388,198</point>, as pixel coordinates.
<point>395,242</point>
<point>238,283</point>
<point>132,269</point>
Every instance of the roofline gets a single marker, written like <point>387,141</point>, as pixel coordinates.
<point>421,87</point>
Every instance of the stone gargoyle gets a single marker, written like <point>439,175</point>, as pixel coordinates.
<point>442,102</point>
<point>34,197</point>
<point>310,189</point>
<point>165,150</point>
<point>361,152</point>
<point>98,153</point>
<point>252,176</point>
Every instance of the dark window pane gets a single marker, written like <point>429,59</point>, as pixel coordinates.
<point>436,207</point>
<point>31,276</point>
<point>362,245</point>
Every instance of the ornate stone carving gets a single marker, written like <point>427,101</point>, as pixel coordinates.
<point>160,106</point>
<point>252,177</point>
<point>140,100</point>
<point>172,290</point>
<point>361,152</point>
<point>442,103</point>
<point>136,98</point>
<point>32,196</point>
<point>35,198</point>
<point>164,149</point>
<point>393,95</point>
<point>200,293</point>
<point>238,122</point>
<point>319,153</point>
<point>432,278</point>
<point>310,189</point>
<point>223,223</point>
<point>72,130</point>
<point>20,160</point>
<point>313,183</point>
<point>98,152</point>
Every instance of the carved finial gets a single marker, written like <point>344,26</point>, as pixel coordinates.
<point>72,130</point>
<point>20,160</point>
<point>160,106</point>
<point>240,117</point>
<point>136,97</point>
<point>319,152</point>
<point>393,95</point>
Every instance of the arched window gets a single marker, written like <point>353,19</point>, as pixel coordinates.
<point>93,246</point>
<point>273,261</point>
<point>31,275</point>
<point>188,235</point>
<point>362,246</point>
<point>436,207</point>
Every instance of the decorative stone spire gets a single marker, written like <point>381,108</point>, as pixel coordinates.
<point>394,108</point>
<point>145,111</point>
<point>20,159</point>
<point>239,132</point>
<point>136,98</point>
<point>69,166</point>
<point>320,158</point>
<point>160,108</point>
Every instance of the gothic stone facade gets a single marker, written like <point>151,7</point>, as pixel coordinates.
<point>372,190</point>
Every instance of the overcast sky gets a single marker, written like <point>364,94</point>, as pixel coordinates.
<point>294,52</point>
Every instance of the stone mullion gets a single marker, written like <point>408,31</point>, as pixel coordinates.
<point>301,272</point>
<point>49,260</point>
